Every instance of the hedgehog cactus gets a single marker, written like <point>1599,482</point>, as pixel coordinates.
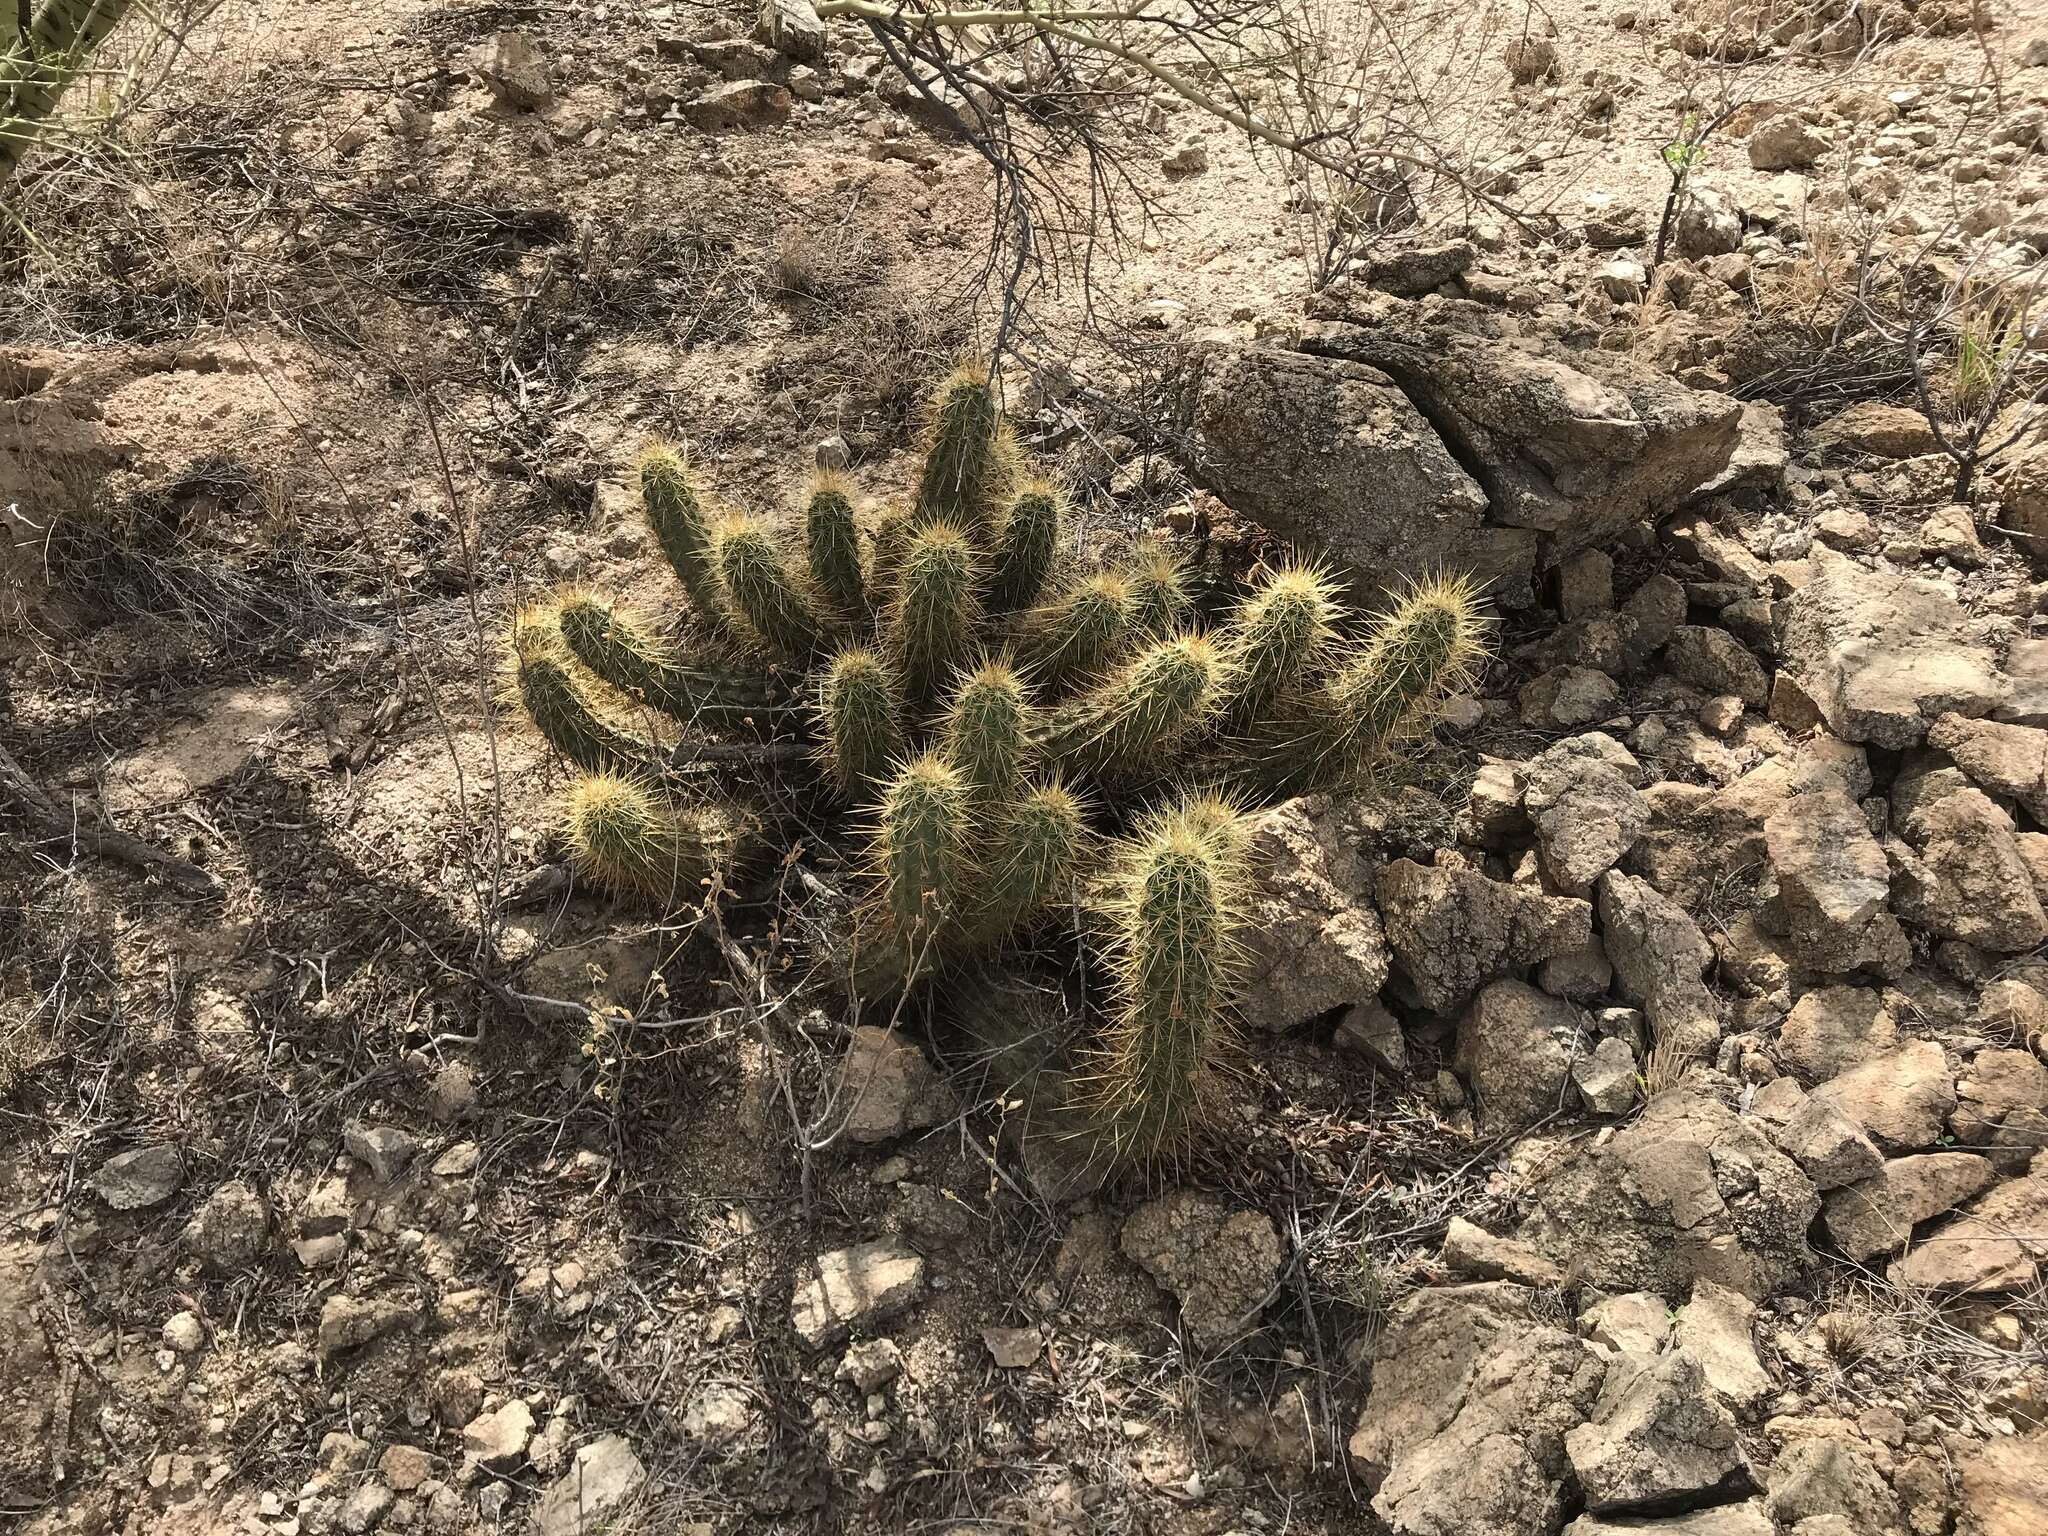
<point>626,836</point>
<point>1172,913</point>
<point>975,703</point>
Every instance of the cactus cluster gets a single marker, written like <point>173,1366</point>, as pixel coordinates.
<point>1009,739</point>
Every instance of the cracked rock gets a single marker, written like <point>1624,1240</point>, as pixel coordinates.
<point>1657,1440</point>
<point>856,1285</point>
<point>1220,1263</point>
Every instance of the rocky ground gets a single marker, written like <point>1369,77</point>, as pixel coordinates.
<point>1643,1123</point>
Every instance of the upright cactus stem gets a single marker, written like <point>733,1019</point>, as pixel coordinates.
<point>933,619</point>
<point>541,676</point>
<point>1160,604</point>
<point>924,831</point>
<point>967,456</point>
<point>833,545</point>
<point>859,725</point>
<point>1393,688</point>
<point>986,732</point>
<point>1082,631</point>
<point>1144,712</point>
<point>764,594</point>
<point>1025,546</point>
<point>624,835</point>
<point>1172,913</point>
<point>1277,641</point>
<point>677,518</point>
<point>621,648</point>
<point>1034,855</point>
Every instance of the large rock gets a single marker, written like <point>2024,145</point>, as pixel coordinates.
<point>1220,1263</point>
<point>1584,805</point>
<point>2005,1488</point>
<point>1745,1519</point>
<point>856,1285</point>
<point>1832,903</point>
<point>1576,450</point>
<point>1833,1029</point>
<point>2010,760</point>
<point>1974,884</point>
<point>1716,1328</point>
<point>1689,1191</point>
<point>1881,655</point>
<point>1312,939</point>
<point>1516,1046</point>
<point>1659,957</point>
<point>1874,427</point>
<point>2002,1102</point>
<point>1996,1245</point>
<point>1476,1446</point>
<point>1901,1098</point>
<point>1657,1439</point>
<point>1878,1214</point>
<point>1716,661</point>
<point>1454,930</point>
<point>1331,456</point>
<point>604,1475</point>
<point>887,1088</point>
<point>1829,1147</point>
<point>1831,1475</point>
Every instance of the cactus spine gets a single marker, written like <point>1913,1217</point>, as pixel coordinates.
<point>543,680</point>
<point>1036,853</point>
<point>933,617</point>
<point>834,548</point>
<point>967,459</point>
<point>985,732</point>
<point>763,592</point>
<point>1023,557</point>
<point>627,837</point>
<point>677,519</point>
<point>923,832</point>
<point>1173,915</point>
<point>858,709</point>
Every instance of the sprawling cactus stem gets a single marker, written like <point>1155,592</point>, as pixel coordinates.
<point>923,837</point>
<point>1173,912</point>
<point>542,677</point>
<point>1082,631</point>
<point>681,527</point>
<point>932,620</point>
<point>1034,854</point>
<point>1277,640</point>
<point>967,458</point>
<point>860,733</point>
<point>1024,549</point>
<point>623,834</point>
<point>1160,604</point>
<point>1418,653</point>
<point>1138,716</point>
<point>621,647</point>
<point>986,731</point>
<point>834,547</point>
<point>763,593</point>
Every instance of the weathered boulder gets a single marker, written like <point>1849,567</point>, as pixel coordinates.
<point>1973,883</point>
<point>1659,957</point>
<point>1657,1439</point>
<point>1831,1475</point>
<point>1454,930</point>
<point>1330,455</point>
<point>1901,1098</point>
<point>2002,1103</point>
<point>1875,427</point>
<point>1998,1244</point>
<point>1715,660</point>
<point>1688,1191</point>
<point>1584,805</point>
<point>603,1476</point>
<point>1833,1029</point>
<point>2005,1488</point>
<point>1516,1046</point>
<point>1219,1262</point>
<point>1716,1327</point>
<point>1830,1148</point>
<point>2010,760</point>
<point>1784,142</point>
<point>1882,656</point>
<point>1312,939</point>
<point>1877,1215</point>
<point>1576,450</point>
<point>1832,902</point>
<point>1744,1519</point>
